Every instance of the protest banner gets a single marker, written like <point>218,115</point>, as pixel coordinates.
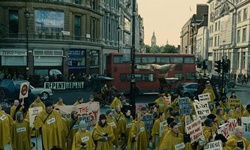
<point>233,102</point>
<point>215,145</point>
<point>202,110</point>
<point>227,128</point>
<point>162,125</point>
<point>245,123</point>
<point>33,112</point>
<point>139,106</point>
<point>85,109</point>
<point>204,97</point>
<point>195,130</point>
<point>184,105</point>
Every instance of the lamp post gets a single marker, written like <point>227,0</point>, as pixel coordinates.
<point>132,80</point>
<point>27,16</point>
<point>118,29</point>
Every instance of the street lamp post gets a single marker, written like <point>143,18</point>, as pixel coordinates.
<point>27,16</point>
<point>132,80</point>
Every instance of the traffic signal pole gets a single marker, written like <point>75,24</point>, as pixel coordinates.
<point>223,74</point>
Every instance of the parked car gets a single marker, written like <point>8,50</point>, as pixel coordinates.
<point>44,93</point>
<point>10,90</point>
<point>186,89</point>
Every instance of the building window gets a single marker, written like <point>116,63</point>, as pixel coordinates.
<point>245,14</point>
<point>77,25</point>
<point>93,28</point>
<point>78,2</point>
<point>243,60</point>
<point>215,41</point>
<point>216,26</point>
<point>13,21</point>
<point>239,16</point>
<point>238,36</point>
<point>93,4</point>
<point>244,34</point>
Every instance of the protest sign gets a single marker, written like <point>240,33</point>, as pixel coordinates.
<point>233,103</point>
<point>85,109</point>
<point>245,123</point>
<point>33,112</point>
<point>162,125</point>
<point>148,120</point>
<point>184,105</point>
<point>195,130</point>
<point>204,97</point>
<point>227,128</point>
<point>215,145</point>
<point>24,90</point>
<point>202,110</point>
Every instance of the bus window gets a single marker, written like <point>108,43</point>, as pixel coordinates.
<point>151,59</point>
<point>190,76</point>
<point>123,77</point>
<point>137,59</point>
<point>176,60</point>
<point>161,60</point>
<point>117,59</point>
<point>148,77</point>
<point>188,60</point>
<point>179,76</point>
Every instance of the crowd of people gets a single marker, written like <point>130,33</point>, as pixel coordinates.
<point>118,129</point>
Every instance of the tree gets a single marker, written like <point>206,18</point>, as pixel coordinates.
<point>147,48</point>
<point>169,49</point>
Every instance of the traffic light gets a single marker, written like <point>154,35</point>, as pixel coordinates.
<point>226,66</point>
<point>217,66</point>
<point>204,64</point>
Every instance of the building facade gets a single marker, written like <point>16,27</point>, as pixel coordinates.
<point>71,36</point>
<point>229,33</point>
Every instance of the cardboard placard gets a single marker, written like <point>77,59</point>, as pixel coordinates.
<point>204,97</point>
<point>33,112</point>
<point>162,125</point>
<point>202,110</point>
<point>227,128</point>
<point>24,90</point>
<point>195,130</point>
<point>215,145</point>
<point>245,123</point>
<point>234,102</point>
<point>184,105</point>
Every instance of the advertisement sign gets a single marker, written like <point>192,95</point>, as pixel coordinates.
<point>85,109</point>
<point>24,90</point>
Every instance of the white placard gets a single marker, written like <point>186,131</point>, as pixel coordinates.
<point>202,110</point>
<point>204,97</point>
<point>24,90</point>
<point>245,123</point>
<point>33,112</point>
<point>215,145</point>
<point>195,130</point>
<point>162,125</point>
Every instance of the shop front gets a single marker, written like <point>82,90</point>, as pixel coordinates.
<point>13,62</point>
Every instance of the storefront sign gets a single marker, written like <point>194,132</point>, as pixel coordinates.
<point>13,53</point>
<point>63,85</point>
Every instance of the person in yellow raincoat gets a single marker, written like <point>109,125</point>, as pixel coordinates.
<point>174,140</point>
<point>236,140</point>
<point>17,107</point>
<point>156,139</point>
<point>228,114</point>
<point>112,122</point>
<point>5,128</point>
<point>103,134</point>
<point>116,102</point>
<point>129,120</point>
<point>137,137</point>
<point>220,116</point>
<point>20,133</point>
<point>83,138</point>
<point>51,124</point>
<point>237,114</point>
<point>209,90</point>
<point>73,127</point>
<point>162,103</point>
<point>37,102</point>
<point>121,122</point>
<point>79,101</point>
<point>208,130</point>
<point>246,112</point>
<point>59,102</point>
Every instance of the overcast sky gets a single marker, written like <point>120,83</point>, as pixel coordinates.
<point>166,18</point>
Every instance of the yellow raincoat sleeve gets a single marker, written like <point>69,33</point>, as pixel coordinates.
<point>5,129</point>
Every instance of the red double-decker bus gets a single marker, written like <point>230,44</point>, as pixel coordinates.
<point>151,71</point>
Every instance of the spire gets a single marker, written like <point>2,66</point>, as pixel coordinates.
<point>153,40</point>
